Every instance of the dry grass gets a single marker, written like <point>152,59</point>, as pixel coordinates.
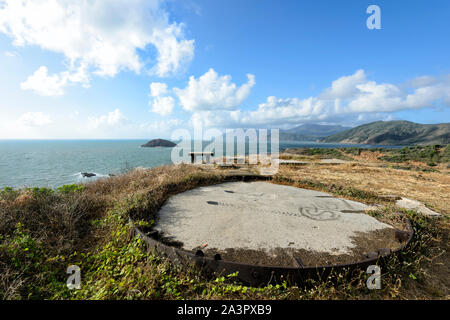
<point>368,173</point>
<point>37,227</point>
<point>431,188</point>
<point>42,230</point>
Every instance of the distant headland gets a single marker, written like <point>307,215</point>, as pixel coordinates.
<point>394,133</point>
<point>158,143</point>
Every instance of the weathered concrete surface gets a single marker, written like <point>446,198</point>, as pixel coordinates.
<point>291,162</point>
<point>264,216</point>
<point>333,161</point>
<point>415,205</point>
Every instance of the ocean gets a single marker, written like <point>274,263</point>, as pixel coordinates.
<point>52,163</point>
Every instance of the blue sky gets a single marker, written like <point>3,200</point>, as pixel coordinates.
<point>85,69</point>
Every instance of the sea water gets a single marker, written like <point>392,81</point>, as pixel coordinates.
<point>52,163</point>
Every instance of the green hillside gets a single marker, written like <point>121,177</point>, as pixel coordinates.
<point>394,133</point>
<point>310,132</point>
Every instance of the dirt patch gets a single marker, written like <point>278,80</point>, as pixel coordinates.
<point>369,156</point>
<point>365,243</point>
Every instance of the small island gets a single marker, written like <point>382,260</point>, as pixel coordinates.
<point>158,143</point>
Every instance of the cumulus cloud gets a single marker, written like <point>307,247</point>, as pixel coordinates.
<point>112,119</point>
<point>173,54</point>
<point>373,97</point>
<point>349,97</point>
<point>345,87</point>
<point>163,105</point>
<point>95,36</point>
<point>34,119</point>
<point>209,92</point>
<point>213,92</point>
<point>158,89</point>
<point>44,84</point>
<point>216,118</point>
<point>53,85</point>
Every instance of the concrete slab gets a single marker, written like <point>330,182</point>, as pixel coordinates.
<point>291,162</point>
<point>415,205</point>
<point>333,161</point>
<point>264,216</point>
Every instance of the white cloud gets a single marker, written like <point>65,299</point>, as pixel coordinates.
<point>112,119</point>
<point>53,85</point>
<point>376,116</point>
<point>421,81</point>
<point>79,125</point>
<point>116,124</point>
<point>163,105</point>
<point>211,91</point>
<point>173,54</point>
<point>345,86</point>
<point>281,109</point>
<point>163,126</point>
<point>10,54</point>
<point>349,97</point>
<point>34,119</point>
<point>44,84</point>
<point>158,89</point>
<point>96,36</point>
<point>373,97</point>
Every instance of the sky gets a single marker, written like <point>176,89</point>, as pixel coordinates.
<point>109,69</point>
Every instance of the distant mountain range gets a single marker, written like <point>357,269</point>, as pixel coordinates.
<point>393,133</point>
<point>377,133</point>
<point>310,132</point>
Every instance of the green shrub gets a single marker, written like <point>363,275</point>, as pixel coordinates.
<point>8,193</point>
<point>427,154</point>
<point>70,188</point>
<point>47,231</point>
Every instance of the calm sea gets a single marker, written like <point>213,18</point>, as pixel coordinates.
<point>52,163</point>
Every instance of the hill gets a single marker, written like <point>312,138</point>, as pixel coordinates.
<point>158,143</point>
<point>310,132</point>
<point>394,133</point>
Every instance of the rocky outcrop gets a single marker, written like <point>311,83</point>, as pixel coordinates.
<point>158,143</point>
<point>87,174</point>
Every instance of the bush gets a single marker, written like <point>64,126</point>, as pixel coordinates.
<point>70,188</point>
<point>39,229</point>
<point>43,231</point>
<point>427,154</point>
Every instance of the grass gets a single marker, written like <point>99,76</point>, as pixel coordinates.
<point>321,153</point>
<point>427,154</point>
<point>422,157</point>
<point>39,229</point>
<point>430,185</point>
<point>338,190</point>
<point>357,151</point>
<point>43,231</point>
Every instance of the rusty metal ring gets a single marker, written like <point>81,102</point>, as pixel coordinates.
<point>258,275</point>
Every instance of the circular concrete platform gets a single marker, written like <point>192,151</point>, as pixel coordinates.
<point>240,219</point>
